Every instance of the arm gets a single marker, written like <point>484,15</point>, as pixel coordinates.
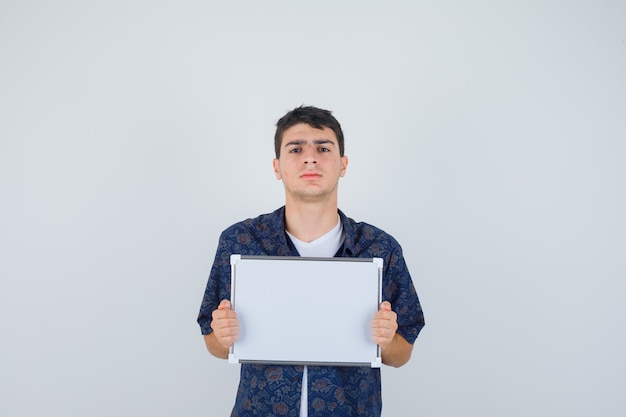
<point>225,330</point>
<point>395,350</point>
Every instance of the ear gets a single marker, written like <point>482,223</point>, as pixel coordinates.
<point>276,166</point>
<point>344,166</point>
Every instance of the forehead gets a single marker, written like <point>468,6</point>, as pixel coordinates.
<point>303,131</point>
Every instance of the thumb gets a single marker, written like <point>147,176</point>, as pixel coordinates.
<point>224,305</point>
<point>385,305</point>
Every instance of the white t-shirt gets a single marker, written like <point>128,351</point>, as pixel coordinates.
<point>325,246</point>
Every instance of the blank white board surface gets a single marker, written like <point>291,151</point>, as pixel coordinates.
<point>295,310</point>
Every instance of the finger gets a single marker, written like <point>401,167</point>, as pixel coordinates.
<point>226,337</point>
<point>385,305</point>
<point>382,316</point>
<point>225,326</point>
<point>382,336</point>
<point>224,305</point>
<point>384,325</point>
<point>226,315</point>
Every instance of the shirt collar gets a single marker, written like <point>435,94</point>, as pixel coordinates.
<point>278,233</point>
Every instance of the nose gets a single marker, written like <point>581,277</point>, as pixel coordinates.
<point>309,155</point>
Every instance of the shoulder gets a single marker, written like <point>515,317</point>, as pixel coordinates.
<point>264,223</point>
<point>365,237</point>
<point>364,230</point>
<point>261,235</point>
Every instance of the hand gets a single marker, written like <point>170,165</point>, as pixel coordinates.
<point>225,325</point>
<point>384,325</point>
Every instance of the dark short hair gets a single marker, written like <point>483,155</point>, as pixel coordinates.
<point>314,117</point>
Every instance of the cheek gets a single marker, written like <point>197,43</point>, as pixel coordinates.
<point>284,171</point>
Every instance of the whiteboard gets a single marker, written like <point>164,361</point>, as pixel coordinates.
<point>298,310</point>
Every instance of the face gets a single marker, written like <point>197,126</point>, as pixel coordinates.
<point>310,164</point>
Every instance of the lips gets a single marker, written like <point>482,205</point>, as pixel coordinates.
<point>310,175</point>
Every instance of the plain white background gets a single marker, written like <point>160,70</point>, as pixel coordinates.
<point>487,136</point>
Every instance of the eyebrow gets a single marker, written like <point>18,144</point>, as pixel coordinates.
<point>297,142</point>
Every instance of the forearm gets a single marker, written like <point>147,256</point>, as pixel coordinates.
<point>214,347</point>
<point>397,352</point>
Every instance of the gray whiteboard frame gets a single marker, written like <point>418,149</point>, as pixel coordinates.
<point>355,347</point>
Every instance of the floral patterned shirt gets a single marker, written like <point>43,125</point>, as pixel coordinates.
<point>274,390</point>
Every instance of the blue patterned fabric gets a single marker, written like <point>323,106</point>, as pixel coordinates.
<point>266,390</point>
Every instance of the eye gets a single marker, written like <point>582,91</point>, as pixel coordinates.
<point>295,150</point>
<point>323,149</point>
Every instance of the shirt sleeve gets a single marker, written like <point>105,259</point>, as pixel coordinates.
<point>399,290</point>
<point>218,285</point>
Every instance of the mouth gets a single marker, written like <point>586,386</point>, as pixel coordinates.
<point>310,175</point>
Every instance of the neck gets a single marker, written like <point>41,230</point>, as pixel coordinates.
<point>307,222</point>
